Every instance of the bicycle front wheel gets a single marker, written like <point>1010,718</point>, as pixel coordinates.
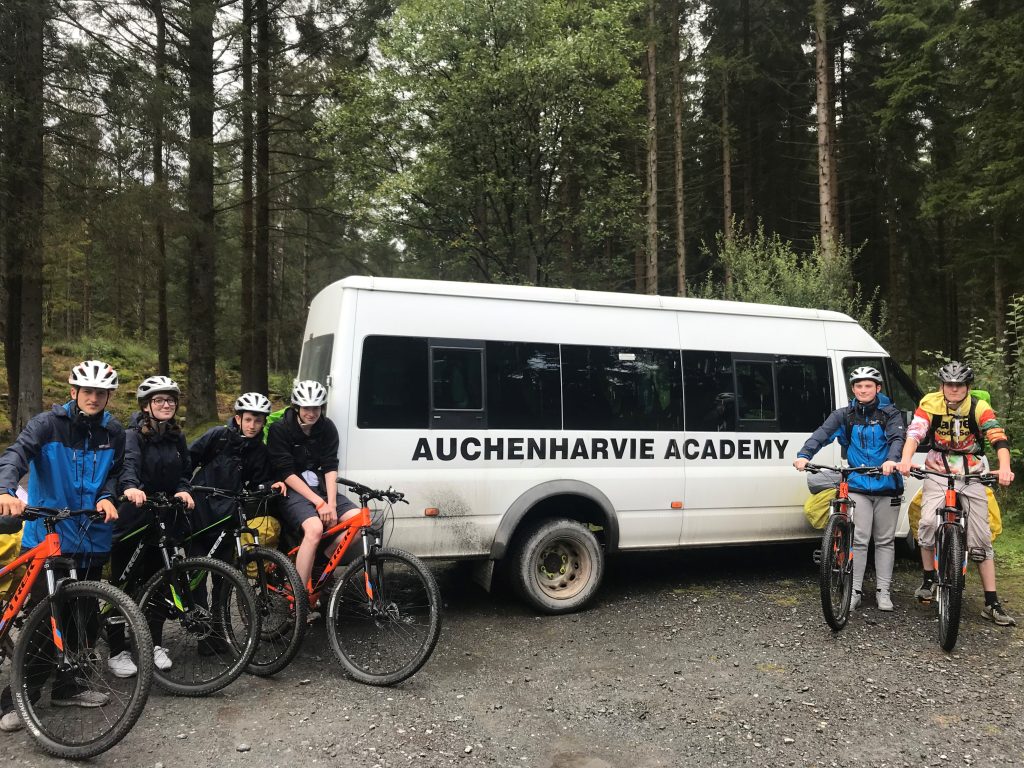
<point>950,590</point>
<point>78,709</point>
<point>384,617</point>
<point>203,614</point>
<point>836,576</point>
<point>283,607</point>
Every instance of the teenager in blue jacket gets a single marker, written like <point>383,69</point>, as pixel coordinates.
<point>73,455</point>
<point>872,431</point>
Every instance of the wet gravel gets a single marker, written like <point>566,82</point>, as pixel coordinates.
<point>707,658</point>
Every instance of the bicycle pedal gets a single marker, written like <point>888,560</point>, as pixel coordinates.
<point>817,557</point>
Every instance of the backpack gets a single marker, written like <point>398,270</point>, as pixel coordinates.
<point>972,423</point>
<point>275,416</point>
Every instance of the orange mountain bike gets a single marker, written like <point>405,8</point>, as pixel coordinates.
<point>384,612</point>
<point>65,694</point>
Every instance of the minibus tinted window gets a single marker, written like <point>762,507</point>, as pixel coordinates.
<point>393,383</point>
<point>457,375</point>
<point>621,388</point>
<point>755,391</point>
<point>523,386</point>
<point>316,358</point>
<point>710,395</point>
<point>805,392</point>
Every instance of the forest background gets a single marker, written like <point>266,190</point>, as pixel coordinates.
<point>179,177</point>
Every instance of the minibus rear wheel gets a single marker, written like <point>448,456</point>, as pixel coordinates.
<point>559,566</point>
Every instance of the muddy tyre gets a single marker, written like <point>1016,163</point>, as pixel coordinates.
<point>558,566</point>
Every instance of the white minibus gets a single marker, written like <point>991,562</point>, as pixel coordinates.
<point>548,428</point>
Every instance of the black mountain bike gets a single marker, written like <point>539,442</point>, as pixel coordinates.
<point>281,599</point>
<point>201,609</point>
<point>836,554</point>
<point>951,551</point>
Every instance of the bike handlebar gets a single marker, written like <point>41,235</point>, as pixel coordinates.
<point>951,477</point>
<point>52,513</point>
<point>259,492</point>
<point>844,471</point>
<point>366,493</point>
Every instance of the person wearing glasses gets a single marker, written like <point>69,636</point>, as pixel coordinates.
<point>156,461</point>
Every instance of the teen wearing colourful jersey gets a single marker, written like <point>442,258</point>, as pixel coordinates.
<point>303,448</point>
<point>73,455</point>
<point>949,418</point>
<point>871,431</point>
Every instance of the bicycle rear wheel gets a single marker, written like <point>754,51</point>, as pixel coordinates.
<point>836,575</point>
<point>282,605</point>
<point>384,617</point>
<point>950,584</point>
<point>80,709</point>
<point>203,613</point>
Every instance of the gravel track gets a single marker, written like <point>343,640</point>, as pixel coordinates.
<point>706,658</point>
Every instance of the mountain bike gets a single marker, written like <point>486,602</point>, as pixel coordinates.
<point>384,612</point>
<point>951,551</point>
<point>63,642</point>
<point>281,600</point>
<point>835,557</point>
<point>200,609</point>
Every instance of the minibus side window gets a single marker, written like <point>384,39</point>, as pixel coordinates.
<point>393,383</point>
<point>755,395</point>
<point>621,388</point>
<point>316,358</point>
<point>805,392</point>
<point>524,388</point>
<point>710,391</point>
<point>457,384</point>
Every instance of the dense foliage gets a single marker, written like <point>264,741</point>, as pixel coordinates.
<point>207,167</point>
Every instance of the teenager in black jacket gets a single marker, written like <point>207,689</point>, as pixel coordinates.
<point>156,461</point>
<point>304,452</point>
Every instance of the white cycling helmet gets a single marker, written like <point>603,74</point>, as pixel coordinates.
<point>95,374</point>
<point>309,393</point>
<point>253,402</point>
<point>154,384</point>
<point>865,373</point>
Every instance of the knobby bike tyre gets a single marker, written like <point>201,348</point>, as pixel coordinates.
<point>836,575</point>
<point>204,614</point>
<point>951,584</point>
<point>90,611</point>
<point>386,638</point>
<point>282,605</point>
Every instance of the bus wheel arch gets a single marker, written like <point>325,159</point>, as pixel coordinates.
<point>555,537</point>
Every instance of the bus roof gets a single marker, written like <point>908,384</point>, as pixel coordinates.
<point>574,296</point>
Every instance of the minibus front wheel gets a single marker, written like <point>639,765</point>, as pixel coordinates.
<point>559,566</point>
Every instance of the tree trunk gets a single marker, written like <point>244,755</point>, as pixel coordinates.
<point>726,178</point>
<point>651,272</point>
<point>747,164</point>
<point>248,351</point>
<point>23,247</point>
<point>826,203</point>
<point>261,252</point>
<point>202,389</point>
<point>163,342</point>
<point>677,134</point>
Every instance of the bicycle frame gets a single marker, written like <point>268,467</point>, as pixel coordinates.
<point>38,558</point>
<point>358,523</point>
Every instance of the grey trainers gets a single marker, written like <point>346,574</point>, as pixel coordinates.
<point>996,613</point>
<point>84,699</point>
<point>855,600</point>
<point>926,592</point>
<point>11,722</point>
<point>883,599</point>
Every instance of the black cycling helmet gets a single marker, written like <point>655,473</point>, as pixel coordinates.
<point>865,373</point>
<point>955,372</point>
